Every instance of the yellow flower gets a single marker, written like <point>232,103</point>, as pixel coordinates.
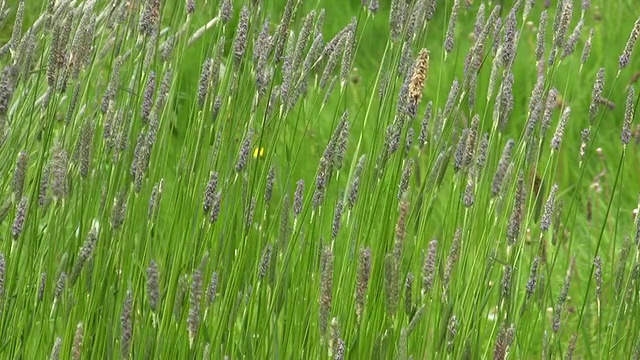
<point>258,152</point>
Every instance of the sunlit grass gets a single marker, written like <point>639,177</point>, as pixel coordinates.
<point>310,180</point>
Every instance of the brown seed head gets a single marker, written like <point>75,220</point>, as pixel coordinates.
<point>419,77</point>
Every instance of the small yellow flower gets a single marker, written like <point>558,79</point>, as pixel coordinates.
<point>258,152</point>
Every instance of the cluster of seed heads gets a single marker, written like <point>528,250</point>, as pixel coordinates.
<point>285,66</point>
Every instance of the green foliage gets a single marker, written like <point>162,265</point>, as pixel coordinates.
<point>176,187</point>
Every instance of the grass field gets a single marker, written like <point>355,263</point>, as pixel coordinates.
<point>332,179</point>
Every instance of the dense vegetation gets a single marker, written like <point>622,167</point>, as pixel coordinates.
<point>258,179</point>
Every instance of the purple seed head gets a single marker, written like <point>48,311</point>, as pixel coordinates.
<point>503,165</point>
<point>154,200</point>
<point>596,95</point>
<point>535,106</point>
<point>509,40</point>
<point>225,11</point>
<point>210,192</point>
<point>451,99</point>
<point>586,50</point>
<point>285,229</point>
<point>503,342</point>
<point>19,174</point>
<point>60,284</point>
<point>333,50</point>
<point>472,137</point>
<point>195,298</point>
<point>533,277</point>
<point>481,157</point>
<point>506,100</point>
<point>401,228</point>
<point>374,6</point>
<point>150,17</point>
<point>250,212</point>
<point>517,214</point>
<point>408,144</point>
<point>57,348</point>
<point>469,197</point>
<point>240,42</point>
<point>550,105</point>
<point>119,211</point>
<point>451,28</point>
<point>212,289</point>
<point>3,273</point>
<point>397,16</point>
<point>479,24</point>
<point>597,262</point>
<point>424,125</point>
<point>570,44</point>
<point>204,82</point>
<point>460,150</point>
<point>282,32</point>
<point>542,32</point>
<point>429,267</point>
<point>549,208</point>
<point>326,289</point>
<point>557,137</point>
<point>243,153</point>
<point>407,171</point>
<point>452,331</point>
<point>190,6</point>
<point>78,338</point>
<point>265,260</point>
<point>348,54</point>
<point>298,198</point>
<point>215,210</point>
<point>391,283</point>
<point>506,282</point>
<point>408,291</point>
<point>571,347</point>
<point>354,187</point>
<point>271,179</point>
<point>261,46</point>
<point>19,220</point>
<point>16,34</point>
<point>153,287</point>
<point>147,97</point>
<point>362,280</point>
<point>452,260</point>
<point>628,116</point>
<point>126,325</point>
<point>41,287</point>
<point>85,254</point>
<point>85,146</point>
<point>337,218</point>
<point>625,58</point>
<point>59,168</point>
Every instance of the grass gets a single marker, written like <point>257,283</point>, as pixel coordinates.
<point>155,207</point>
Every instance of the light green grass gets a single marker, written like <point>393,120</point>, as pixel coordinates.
<point>278,315</point>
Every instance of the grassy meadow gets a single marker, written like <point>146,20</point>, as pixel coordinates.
<point>288,179</point>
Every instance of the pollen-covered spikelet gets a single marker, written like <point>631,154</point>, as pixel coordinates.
<point>418,79</point>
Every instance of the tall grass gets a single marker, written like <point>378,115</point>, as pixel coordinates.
<point>246,180</point>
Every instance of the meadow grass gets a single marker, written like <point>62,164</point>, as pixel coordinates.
<point>288,179</point>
